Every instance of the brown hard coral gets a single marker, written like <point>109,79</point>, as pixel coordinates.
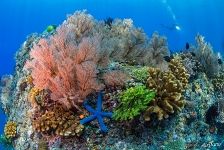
<point>168,87</point>
<point>58,121</point>
<point>179,71</point>
<point>10,129</point>
<point>32,96</point>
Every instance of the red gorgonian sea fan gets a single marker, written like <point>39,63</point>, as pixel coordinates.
<point>64,67</point>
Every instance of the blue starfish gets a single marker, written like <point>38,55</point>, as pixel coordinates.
<point>97,113</point>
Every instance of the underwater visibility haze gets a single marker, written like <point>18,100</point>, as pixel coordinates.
<point>111,75</point>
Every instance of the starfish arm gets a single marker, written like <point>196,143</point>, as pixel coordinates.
<point>107,114</point>
<point>89,108</point>
<point>99,101</point>
<point>101,124</point>
<point>88,119</point>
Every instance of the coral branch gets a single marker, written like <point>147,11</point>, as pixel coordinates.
<point>66,69</point>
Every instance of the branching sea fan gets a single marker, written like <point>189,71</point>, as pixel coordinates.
<point>67,69</point>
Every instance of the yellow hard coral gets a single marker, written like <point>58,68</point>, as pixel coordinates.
<point>32,96</point>
<point>179,71</point>
<point>29,79</point>
<point>59,122</point>
<point>168,87</point>
<point>38,98</point>
<point>10,129</point>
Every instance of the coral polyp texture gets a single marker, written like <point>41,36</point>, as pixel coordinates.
<point>169,87</point>
<point>218,82</point>
<point>10,129</point>
<point>133,102</point>
<point>57,121</point>
<point>86,76</point>
<point>68,70</point>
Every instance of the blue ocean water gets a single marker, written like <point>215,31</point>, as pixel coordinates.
<point>179,20</point>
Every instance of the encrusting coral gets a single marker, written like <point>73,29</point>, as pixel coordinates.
<point>39,98</point>
<point>32,96</point>
<point>57,121</point>
<point>42,144</point>
<point>218,82</point>
<point>10,129</point>
<point>169,87</point>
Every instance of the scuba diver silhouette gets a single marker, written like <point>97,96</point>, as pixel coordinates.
<point>172,27</point>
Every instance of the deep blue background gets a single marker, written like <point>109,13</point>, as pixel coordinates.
<point>22,17</point>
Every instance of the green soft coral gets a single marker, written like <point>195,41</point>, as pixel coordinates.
<point>133,101</point>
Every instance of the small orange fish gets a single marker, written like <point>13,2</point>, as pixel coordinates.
<point>81,116</point>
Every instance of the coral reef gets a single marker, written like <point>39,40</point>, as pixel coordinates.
<point>191,64</point>
<point>135,77</point>
<point>10,130</point>
<point>169,87</point>
<point>133,101</point>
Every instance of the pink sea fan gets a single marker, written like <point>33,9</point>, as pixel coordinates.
<point>68,70</point>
